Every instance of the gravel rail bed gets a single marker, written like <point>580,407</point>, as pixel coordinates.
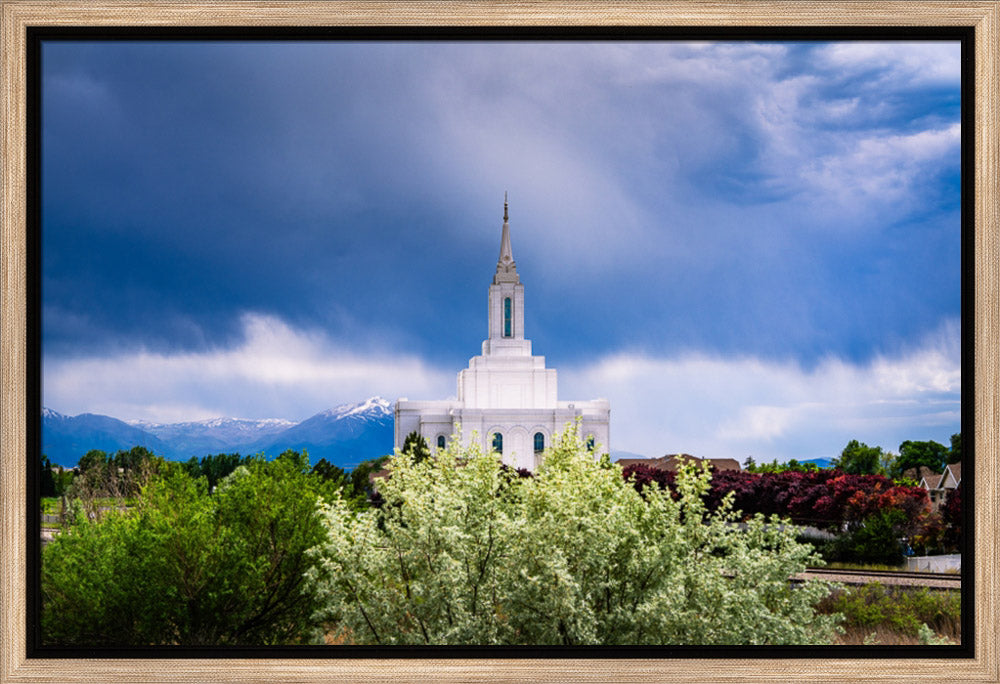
<point>931,580</point>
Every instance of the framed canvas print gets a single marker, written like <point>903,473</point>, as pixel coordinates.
<point>500,341</point>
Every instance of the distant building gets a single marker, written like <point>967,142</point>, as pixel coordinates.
<point>938,485</point>
<point>670,462</point>
<point>507,398</point>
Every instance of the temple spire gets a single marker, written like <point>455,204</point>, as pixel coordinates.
<point>506,268</point>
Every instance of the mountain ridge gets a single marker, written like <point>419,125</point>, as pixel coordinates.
<point>344,435</point>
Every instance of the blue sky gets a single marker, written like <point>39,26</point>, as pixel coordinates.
<point>748,248</point>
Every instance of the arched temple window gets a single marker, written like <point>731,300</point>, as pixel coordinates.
<point>507,317</point>
<point>440,441</point>
<point>498,442</point>
<point>539,442</point>
<point>590,443</point>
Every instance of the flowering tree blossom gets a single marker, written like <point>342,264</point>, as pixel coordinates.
<point>463,551</point>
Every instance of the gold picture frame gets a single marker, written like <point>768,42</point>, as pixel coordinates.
<point>17,15</point>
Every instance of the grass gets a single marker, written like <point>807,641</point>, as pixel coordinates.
<point>52,505</point>
<point>837,565</point>
<point>889,615</point>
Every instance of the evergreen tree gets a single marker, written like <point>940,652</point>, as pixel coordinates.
<point>416,446</point>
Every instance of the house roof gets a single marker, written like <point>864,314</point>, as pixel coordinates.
<point>625,462</point>
<point>921,473</point>
<point>931,481</point>
<point>952,476</point>
<point>725,463</point>
<point>670,462</point>
<point>378,475</point>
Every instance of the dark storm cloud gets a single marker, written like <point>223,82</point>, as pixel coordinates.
<point>198,182</point>
<point>792,203</point>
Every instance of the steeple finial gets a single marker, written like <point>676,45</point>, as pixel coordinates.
<point>506,268</point>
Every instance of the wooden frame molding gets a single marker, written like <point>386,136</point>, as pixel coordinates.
<point>16,16</point>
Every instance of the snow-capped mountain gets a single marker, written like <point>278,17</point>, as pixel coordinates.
<point>373,408</point>
<point>214,435</point>
<point>344,435</point>
<point>66,438</point>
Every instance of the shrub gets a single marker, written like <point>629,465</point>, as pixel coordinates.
<point>951,513</point>
<point>902,610</point>
<point>876,540</point>
<point>188,567</point>
<point>466,552</point>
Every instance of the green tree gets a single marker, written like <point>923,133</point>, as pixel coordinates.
<point>361,475</point>
<point>91,481</point>
<point>416,445</point>
<point>774,467</point>
<point>95,458</point>
<point>91,591</point>
<point>955,453</point>
<point>339,479</point>
<point>190,567</point>
<point>916,454</point>
<point>328,471</point>
<point>876,540</point>
<point>120,476</point>
<point>858,458</point>
<point>466,552</point>
<point>214,467</point>
<point>129,470</point>
<point>887,463</point>
<point>47,483</point>
<point>133,459</point>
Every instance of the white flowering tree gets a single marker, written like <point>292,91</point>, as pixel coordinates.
<point>464,551</point>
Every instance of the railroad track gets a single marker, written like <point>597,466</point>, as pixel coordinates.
<point>932,580</point>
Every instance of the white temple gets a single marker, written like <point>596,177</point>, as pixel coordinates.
<point>507,398</point>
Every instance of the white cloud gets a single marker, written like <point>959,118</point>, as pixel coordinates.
<point>922,62</point>
<point>277,372</point>
<point>736,407</point>
<point>882,168</point>
<point>709,406</point>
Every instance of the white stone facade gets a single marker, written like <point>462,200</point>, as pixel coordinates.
<point>505,391</point>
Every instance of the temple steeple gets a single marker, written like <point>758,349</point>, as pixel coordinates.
<point>506,268</point>
<point>507,401</point>
<point>506,302</point>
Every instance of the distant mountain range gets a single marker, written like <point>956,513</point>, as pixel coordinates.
<point>820,462</point>
<point>616,455</point>
<point>344,436</point>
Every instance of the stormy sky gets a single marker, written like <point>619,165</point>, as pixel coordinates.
<point>748,248</point>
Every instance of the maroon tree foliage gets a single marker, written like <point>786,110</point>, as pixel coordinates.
<point>951,512</point>
<point>643,476</point>
<point>827,498</point>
